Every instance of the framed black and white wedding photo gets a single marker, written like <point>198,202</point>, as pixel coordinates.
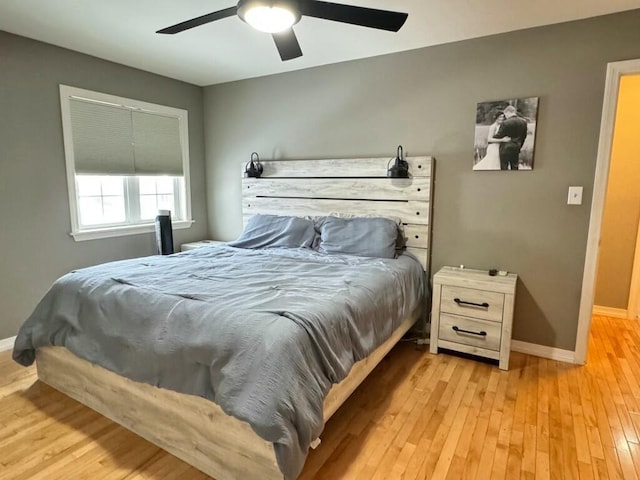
<point>505,134</point>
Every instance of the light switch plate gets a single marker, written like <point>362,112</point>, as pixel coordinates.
<point>575,196</point>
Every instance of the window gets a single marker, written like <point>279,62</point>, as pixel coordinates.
<point>110,201</point>
<point>125,160</point>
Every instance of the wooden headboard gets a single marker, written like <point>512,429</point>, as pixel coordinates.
<point>357,186</point>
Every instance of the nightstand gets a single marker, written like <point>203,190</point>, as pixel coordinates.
<point>473,313</point>
<point>202,243</point>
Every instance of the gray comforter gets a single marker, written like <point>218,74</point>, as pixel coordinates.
<point>262,333</point>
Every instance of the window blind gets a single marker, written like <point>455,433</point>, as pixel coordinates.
<point>156,144</point>
<point>102,138</point>
<point>113,140</point>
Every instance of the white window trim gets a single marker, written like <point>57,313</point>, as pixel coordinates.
<point>120,231</point>
<point>66,93</point>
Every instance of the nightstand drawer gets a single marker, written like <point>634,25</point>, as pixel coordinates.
<point>472,303</point>
<point>478,333</point>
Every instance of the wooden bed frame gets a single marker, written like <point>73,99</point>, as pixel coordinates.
<point>197,430</point>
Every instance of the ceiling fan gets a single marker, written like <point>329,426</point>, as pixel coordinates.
<point>278,17</point>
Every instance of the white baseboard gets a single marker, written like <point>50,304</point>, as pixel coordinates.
<point>609,311</point>
<point>543,351</point>
<point>7,344</point>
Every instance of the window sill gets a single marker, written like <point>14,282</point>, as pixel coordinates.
<point>126,230</point>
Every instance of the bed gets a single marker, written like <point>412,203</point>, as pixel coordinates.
<point>198,430</point>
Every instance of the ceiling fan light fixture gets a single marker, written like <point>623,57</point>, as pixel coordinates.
<point>269,16</point>
<point>278,16</point>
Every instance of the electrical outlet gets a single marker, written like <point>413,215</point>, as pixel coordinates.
<point>575,196</point>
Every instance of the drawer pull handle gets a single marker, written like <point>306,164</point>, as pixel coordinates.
<point>471,304</point>
<point>460,330</point>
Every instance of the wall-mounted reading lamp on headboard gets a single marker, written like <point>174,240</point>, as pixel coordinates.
<point>253,168</point>
<point>400,167</point>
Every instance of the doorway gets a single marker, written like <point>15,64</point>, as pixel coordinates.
<point>634,291</point>
<point>617,249</point>
<point>615,71</point>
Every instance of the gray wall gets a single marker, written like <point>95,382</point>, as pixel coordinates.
<point>425,100</point>
<point>35,245</point>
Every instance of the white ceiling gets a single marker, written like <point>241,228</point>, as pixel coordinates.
<point>123,31</point>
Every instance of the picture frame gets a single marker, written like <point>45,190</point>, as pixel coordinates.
<point>505,134</point>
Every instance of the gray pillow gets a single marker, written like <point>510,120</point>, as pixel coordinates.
<point>265,231</point>
<point>361,236</point>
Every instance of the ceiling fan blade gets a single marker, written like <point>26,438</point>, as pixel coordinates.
<point>363,16</point>
<point>287,45</point>
<point>195,22</point>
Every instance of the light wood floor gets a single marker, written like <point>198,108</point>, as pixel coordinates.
<point>418,416</point>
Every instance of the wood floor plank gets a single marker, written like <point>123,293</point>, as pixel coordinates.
<point>451,428</point>
<point>464,443</point>
<point>585,471</point>
<point>634,450</point>
<point>569,441</point>
<point>488,453</point>
<point>418,416</point>
<point>614,469</point>
<point>626,464</point>
<point>472,463</point>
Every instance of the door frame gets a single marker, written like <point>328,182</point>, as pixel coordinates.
<point>614,71</point>
<point>633,308</point>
